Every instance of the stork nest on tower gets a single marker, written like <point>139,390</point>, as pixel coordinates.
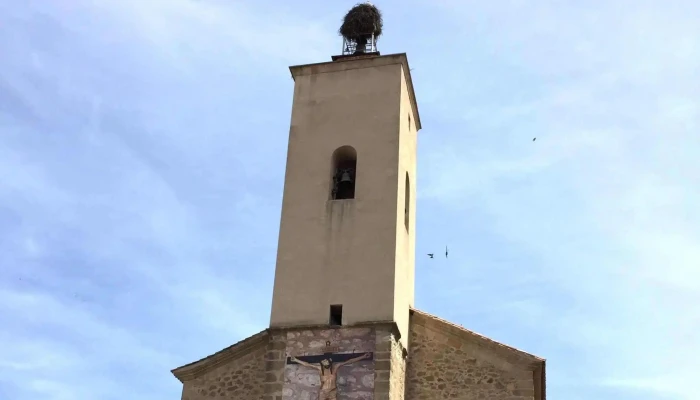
<point>361,21</point>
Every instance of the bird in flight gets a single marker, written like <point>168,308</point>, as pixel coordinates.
<point>445,251</point>
<point>533,139</point>
<point>430,255</point>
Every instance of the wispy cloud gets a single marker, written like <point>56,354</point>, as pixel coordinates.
<point>132,214</point>
<point>142,149</point>
<point>603,203</point>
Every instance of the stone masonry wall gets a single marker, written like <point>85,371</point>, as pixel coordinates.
<point>239,379</point>
<point>354,381</point>
<point>390,366</point>
<point>275,360</point>
<point>441,366</point>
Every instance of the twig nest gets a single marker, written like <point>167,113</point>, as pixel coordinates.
<point>362,20</point>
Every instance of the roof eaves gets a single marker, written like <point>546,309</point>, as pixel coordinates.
<point>193,369</point>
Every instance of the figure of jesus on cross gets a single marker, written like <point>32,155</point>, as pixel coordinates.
<point>328,370</point>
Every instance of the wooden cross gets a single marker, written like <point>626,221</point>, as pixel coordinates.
<point>334,357</point>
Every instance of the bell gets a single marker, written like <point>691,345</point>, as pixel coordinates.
<point>345,177</point>
<point>344,187</point>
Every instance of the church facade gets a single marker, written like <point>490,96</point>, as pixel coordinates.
<point>343,323</point>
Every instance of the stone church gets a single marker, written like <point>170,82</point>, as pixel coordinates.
<point>343,323</point>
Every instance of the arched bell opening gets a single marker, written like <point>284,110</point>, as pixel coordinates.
<point>344,173</point>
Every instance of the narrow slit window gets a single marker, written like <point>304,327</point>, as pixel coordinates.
<point>407,203</point>
<point>344,173</point>
<point>409,122</point>
<point>336,317</point>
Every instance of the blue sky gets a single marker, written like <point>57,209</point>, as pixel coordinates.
<point>142,152</point>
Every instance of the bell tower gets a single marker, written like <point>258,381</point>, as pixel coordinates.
<point>342,306</point>
<point>346,246</point>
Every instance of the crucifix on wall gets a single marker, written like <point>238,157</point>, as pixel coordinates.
<point>328,364</point>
